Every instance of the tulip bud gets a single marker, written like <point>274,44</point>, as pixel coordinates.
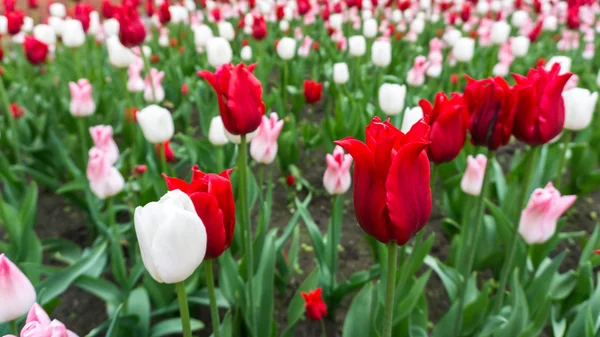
<point>550,23</point>
<point>500,32</point>
<point>411,117</point>
<point>357,45</point>
<point>172,237</point>
<point>286,48</point>
<point>464,49</point>
<point>216,132</point>
<point>226,30</point>
<point>341,74</point>
<point>58,10</point>
<point>580,104</point>
<point>57,24</point>
<point>246,53</point>
<point>118,55</point>
<point>263,147</point>
<point>391,98</point>
<point>452,36</point>
<point>336,21</point>
<point>519,18</point>
<point>520,46</point>
<point>73,35</point>
<point>370,28</point>
<point>16,291</point>
<point>45,33</point>
<point>82,102</point>
<point>156,123</point>
<point>538,219</point>
<point>102,135</point>
<point>337,175</point>
<point>472,181</point>
<point>179,14</point>
<point>381,53</point>
<point>110,28</point>
<point>218,51</point>
<point>153,89</point>
<point>315,307</point>
<point>284,26</point>
<point>202,34</point>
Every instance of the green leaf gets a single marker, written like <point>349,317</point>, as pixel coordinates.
<point>579,327</point>
<point>80,184</point>
<point>296,307</point>
<point>357,322</point>
<point>138,304</point>
<point>103,289</point>
<point>173,326</point>
<point>519,316</point>
<point>113,324</point>
<point>535,328</point>
<point>263,286</point>
<point>475,312</point>
<point>316,238</point>
<point>408,303</point>
<point>538,289</point>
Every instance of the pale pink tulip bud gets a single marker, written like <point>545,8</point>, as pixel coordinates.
<point>538,219</point>
<point>135,82</point>
<point>16,291</point>
<point>416,75</point>
<point>153,89</point>
<point>337,175</point>
<point>82,102</point>
<point>472,180</point>
<point>102,135</point>
<point>263,148</point>
<point>38,324</point>
<point>105,180</point>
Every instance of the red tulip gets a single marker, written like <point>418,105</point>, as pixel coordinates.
<point>392,198</point>
<point>150,7</point>
<point>15,20</point>
<point>212,196</point>
<point>573,21</point>
<point>540,108</point>
<point>185,89</point>
<point>303,6</point>
<point>465,13</point>
<point>216,14</point>
<point>131,29</point>
<point>36,51</point>
<point>534,34</point>
<point>448,121</point>
<point>16,110</point>
<point>82,13</point>
<point>490,106</point>
<point>314,306</point>
<point>166,147</point>
<point>9,5</point>
<point>312,91</point>
<point>240,97</point>
<point>108,10</point>
<point>290,180</point>
<point>259,27</point>
<point>164,15</point>
<point>32,4</point>
<point>280,12</point>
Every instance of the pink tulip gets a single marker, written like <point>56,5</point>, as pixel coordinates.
<point>82,102</point>
<point>416,75</point>
<point>102,135</point>
<point>38,324</point>
<point>154,85</point>
<point>538,219</point>
<point>337,175</point>
<point>135,82</point>
<point>305,47</point>
<point>263,147</point>
<point>16,292</point>
<point>105,180</point>
<point>505,58</point>
<point>472,180</point>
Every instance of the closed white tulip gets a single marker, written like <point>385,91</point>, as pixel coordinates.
<point>357,45</point>
<point>286,48</point>
<point>216,132</point>
<point>520,46</point>
<point>73,35</point>
<point>3,25</point>
<point>391,98</point>
<point>57,24</point>
<point>452,36</point>
<point>110,28</point>
<point>335,21</point>
<point>45,33</point>
<point>370,28</point>
<point>284,25</point>
<point>580,104</point>
<point>226,30</point>
<point>550,23</point>
<point>417,25</point>
<point>118,55</point>
<point>411,116</point>
<point>28,24</point>
<point>463,49</point>
<point>598,79</point>
<point>179,14</point>
<point>396,16</point>
<point>381,53</point>
<point>341,75</point>
<point>519,18</point>
<point>500,32</point>
<point>202,34</point>
<point>237,139</point>
<point>156,123</point>
<point>564,61</point>
<point>94,23</point>
<point>483,7</point>
<point>218,51</point>
<point>172,237</point>
<point>246,53</point>
<point>58,10</point>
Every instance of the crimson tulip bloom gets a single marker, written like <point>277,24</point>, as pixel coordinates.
<point>107,9</point>
<point>448,121</point>
<point>164,15</point>
<point>540,108</point>
<point>240,97</point>
<point>314,306</point>
<point>15,21</point>
<point>82,13</point>
<point>490,106</point>
<point>303,6</point>
<point>36,51</point>
<point>131,29</point>
<point>312,91</point>
<point>259,27</point>
<point>392,198</point>
<point>212,196</point>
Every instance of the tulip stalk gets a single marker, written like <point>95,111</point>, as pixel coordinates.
<point>210,285</point>
<point>390,289</point>
<point>531,163</point>
<point>336,222</point>
<point>13,327</point>
<point>81,127</point>
<point>323,328</point>
<point>563,158</point>
<point>163,158</point>
<point>184,309</point>
<point>245,222</point>
<point>148,72</point>
<point>219,150</point>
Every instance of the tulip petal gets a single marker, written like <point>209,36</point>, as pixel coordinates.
<point>208,210</point>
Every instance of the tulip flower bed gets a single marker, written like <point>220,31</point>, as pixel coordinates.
<point>300,168</point>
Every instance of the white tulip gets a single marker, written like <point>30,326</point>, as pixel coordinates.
<point>396,16</point>
<point>58,10</point>
<point>45,33</point>
<point>27,26</point>
<point>335,21</point>
<point>391,98</point>
<point>218,51</point>
<point>580,104</point>
<point>94,23</point>
<point>57,24</point>
<point>202,34</point>
<point>519,18</point>
<point>172,237</point>
<point>381,53</point>
<point>190,5</point>
<point>452,36</point>
<point>357,45</point>
<point>286,48</point>
<point>424,4</point>
<point>483,7</point>
<point>284,26</point>
<point>216,132</point>
<point>500,32</point>
<point>3,25</point>
<point>366,15</point>
<point>598,79</point>
<point>226,30</point>
<point>411,117</point>
<point>520,46</point>
<point>550,23</point>
<point>237,139</point>
<point>495,6</point>
<point>464,49</point>
<point>110,28</point>
<point>417,26</point>
<point>341,75</point>
<point>179,14</point>
<point>564,61</point>
<point>118,55</point>
<point>156,123</point>
<point>73,35</point>
<point>370,28</point>
<point>246,53</point>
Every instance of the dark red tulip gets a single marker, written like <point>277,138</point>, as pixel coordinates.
<point>540,108</point>
<point>490,106</point>
<point>534,34</point>
<point>131,29</point>
<point>32,4</point>
<point>280,12</point>
<point>259,28</point>
<point>108,10</point>
<point>150,7</point>
<point>9,6</point>
<point>448,122</point>
<point>314,306</point>
<point>392,198</point>
<point>212,197</point>
<point>573,21</point>
<point>312,91</point>
<point>403,5</point>
<point>239,94</point>
<point>82,13</point>
<point>303,6</point>
<point>164,15</point>
<point>465,13</point>
<point>290,180</point>
<point>36,51</point>
<point>15,21</point>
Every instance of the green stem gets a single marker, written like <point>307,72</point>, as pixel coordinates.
<point>219,150</point>
<point>515,235</point>
<point>163,158</point>
<point>184,310</point>
<point>563,158</point>
<point>210,285</point>
<point>148,72</point>
<point>338,204</point>
<point>284,84</point>
<point>109,209</point>
<point>13,327</point>
<point>246,227</point>
<point>323,329</point>
<point>82,127</point>
<point>390,288</point>
<point>434,174</point>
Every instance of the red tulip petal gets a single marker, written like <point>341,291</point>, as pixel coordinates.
<point>209,212</point>
<point>220,188</point>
